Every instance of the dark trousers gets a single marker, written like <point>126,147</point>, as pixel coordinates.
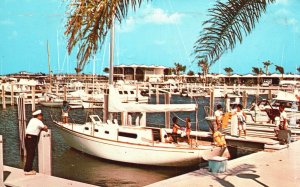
<point>31,142</point>
<point>174,136</point>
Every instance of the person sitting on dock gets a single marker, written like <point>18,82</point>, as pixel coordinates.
<point>65,111</point>
<point>34,127</point>
<point>241,119</point>
<point>219,115</point>
<point>175,129</point>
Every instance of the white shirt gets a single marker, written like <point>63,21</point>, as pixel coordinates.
<point>283,116</point>
<point>218,114</point>
<point>34,127</point>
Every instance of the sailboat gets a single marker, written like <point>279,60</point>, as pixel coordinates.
<point>137,144</point>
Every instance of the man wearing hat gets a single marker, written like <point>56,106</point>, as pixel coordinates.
<point>34,127</point>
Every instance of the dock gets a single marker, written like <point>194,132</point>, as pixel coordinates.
<point>15,177</point>
<point>279,168</point>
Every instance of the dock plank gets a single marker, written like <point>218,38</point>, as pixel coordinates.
<point>279,168</point>
<point>15,177</point>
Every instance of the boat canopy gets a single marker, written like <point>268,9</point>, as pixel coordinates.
<point>115,105</point>
<point>285,96</point>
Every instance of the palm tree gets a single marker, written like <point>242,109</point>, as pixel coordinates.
<point>228,70</point>
<point>106,70</point>
<point>298,69</point>
<point>280,69</point>
<point>227,24</point>
<point>266,65</point>
<point>89,22</point>
<point>257,71</point>
<point>179,68</point>
<point>204,67</point>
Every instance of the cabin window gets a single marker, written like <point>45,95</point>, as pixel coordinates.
<point>96,130</point>
<point>106,132</point>
<point>86,128</point>
<point>120,92</point>
<point>126,92</point>
<point>131,92</point>
<point>127,135</point>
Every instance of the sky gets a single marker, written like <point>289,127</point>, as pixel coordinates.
<point>161,32</point>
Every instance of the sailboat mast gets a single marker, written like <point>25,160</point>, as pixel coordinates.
<point>49,67</point>
<point>111,52</point>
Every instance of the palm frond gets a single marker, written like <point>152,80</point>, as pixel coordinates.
<point>227,25</point>
<point>89,22</point>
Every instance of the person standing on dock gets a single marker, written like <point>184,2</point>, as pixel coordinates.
<point>188,129</point>
<point>219,115</point>
<point>34,127</point>
<point>65,111</point>
<point>241,119</point>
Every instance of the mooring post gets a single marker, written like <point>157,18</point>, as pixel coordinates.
<point>12,94</point>
<point>3,97</point>
<point>167,114</point>
<point>65,93</point>
<point>245,99</point>
<point>33,98</point>
<point>44,153</point>
<point>157,95</point>
<point>211,102</point>
<point>270,94</point>
<point>1,162</point>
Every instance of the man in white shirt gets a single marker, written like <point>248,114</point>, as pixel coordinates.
<point>34,127</point>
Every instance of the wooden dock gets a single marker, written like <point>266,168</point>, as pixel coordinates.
<point>279,168</point>
<point>15,177</point>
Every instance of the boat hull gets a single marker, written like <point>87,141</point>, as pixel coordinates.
<point>134,153</point>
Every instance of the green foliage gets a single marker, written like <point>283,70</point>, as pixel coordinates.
<point>226,26</point>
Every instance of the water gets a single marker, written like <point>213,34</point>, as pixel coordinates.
<point>71,164</point>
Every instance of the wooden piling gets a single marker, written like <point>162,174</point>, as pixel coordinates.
<point>65,93</point>
<point>3,97</point>
<point>56,90</point>
<point>157,95</point>
<point>270,95</point>
<point>22,125</point>
<point>211,102</point>
<point>33,98</point>
<point>167,114</point>
<point>44,153</point>
<point>244,99</point>
<point>1,161</point>
<point>12,102</point>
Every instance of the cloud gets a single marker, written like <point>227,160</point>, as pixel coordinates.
<point>159,16</point>
<point>128,25</point>
<point>159,42</point>
<point>286,18</point>
<point>280,2</point>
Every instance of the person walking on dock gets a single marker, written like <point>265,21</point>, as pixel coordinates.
<point>34,127</point>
